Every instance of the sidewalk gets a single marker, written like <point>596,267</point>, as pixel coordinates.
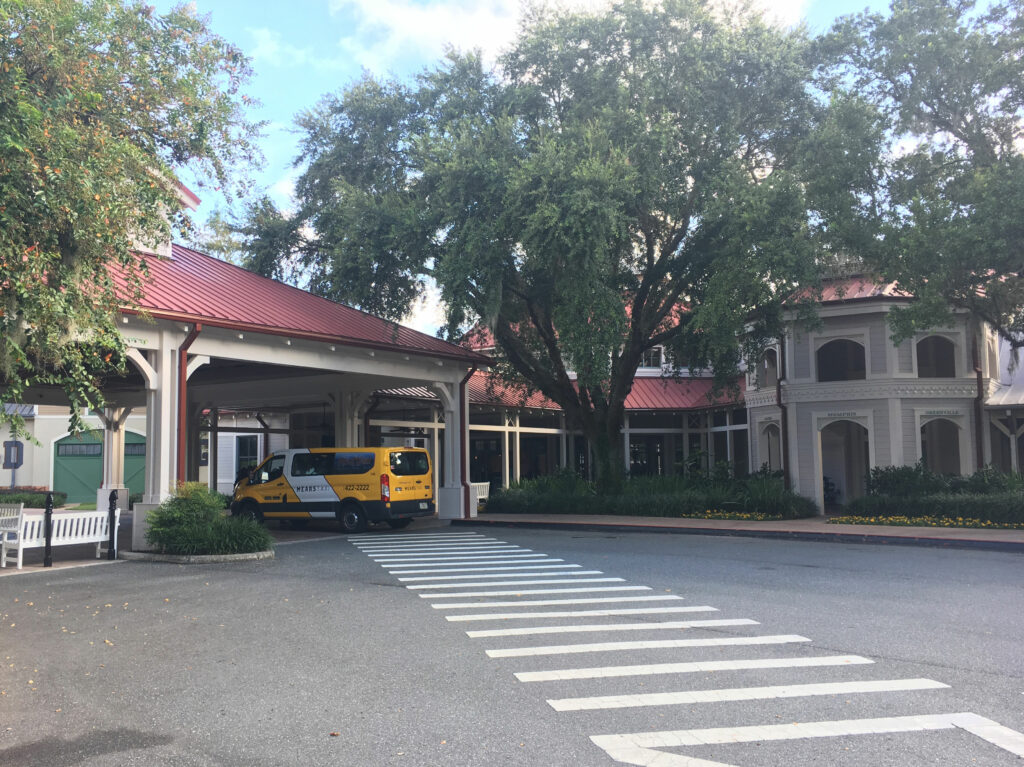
<point>811,529</point>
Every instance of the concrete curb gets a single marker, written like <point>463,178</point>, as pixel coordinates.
<point>791,535</point>
<point>195,559</point>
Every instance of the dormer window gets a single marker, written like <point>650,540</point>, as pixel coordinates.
<point>651,358</point>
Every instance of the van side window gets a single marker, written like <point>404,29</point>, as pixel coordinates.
<point>411,463</point>
<point>351,463</point>
<point>310,465</point>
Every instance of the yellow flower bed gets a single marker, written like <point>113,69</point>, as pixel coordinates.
<point>927,522</point>
<point>750,516</point>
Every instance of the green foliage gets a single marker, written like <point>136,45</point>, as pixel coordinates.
<point>653,174</point>
<point>946,80</point>
<point>916,480</point>
<point>904,481</point>
<point>999,507</point>
<point>759,496</point>
<point>193,522</point>
<point>100,103</point>
<point>32,500</point>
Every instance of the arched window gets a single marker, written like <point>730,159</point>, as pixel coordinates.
<point>940,446</point>
<point>936,358</point>
<point>841,360</point>
<point>768,370</point>
<point>771,447</point>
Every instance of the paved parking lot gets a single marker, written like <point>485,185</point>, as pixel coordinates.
<point>457,647</point>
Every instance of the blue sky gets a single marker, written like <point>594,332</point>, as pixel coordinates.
<point>303,49</point>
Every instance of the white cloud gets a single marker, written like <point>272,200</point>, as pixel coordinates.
<point>393,35</point>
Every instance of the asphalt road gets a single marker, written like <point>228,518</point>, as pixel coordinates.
<point>902,656</point>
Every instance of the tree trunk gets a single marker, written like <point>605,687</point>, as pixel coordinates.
<point>608,457</point>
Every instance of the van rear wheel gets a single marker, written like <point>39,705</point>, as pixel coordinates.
<point>398,524</point>
<point>352,518</point>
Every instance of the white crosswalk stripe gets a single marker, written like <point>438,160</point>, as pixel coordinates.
<point>447,568</point>
<point>539,582</point>
<point>562,613</point>
<point>486,569</point>
<point>516,559</point>
<point>684,697</point>
<point>691,667</point>
<point>450,558</point>
<point>590,628</point>
<point>480,603</point>
<point>380,556</point>
<point>496,575</point>
<point>587,590</point>
<point>654,644</point>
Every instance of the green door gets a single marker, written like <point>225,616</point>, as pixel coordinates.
<point>78,465</point>
<point>134,464</point>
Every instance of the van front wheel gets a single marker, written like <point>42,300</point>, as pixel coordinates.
<point>250,510</point>
<point>352,519</point>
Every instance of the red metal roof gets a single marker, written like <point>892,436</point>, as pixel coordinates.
<point>195,287</point>
<point>680,394</point>
<point>858,288</point>
<point>647,394</point>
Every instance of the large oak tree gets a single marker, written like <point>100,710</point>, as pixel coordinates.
<point>101,101</point>
<point>657,174</point>
<point>947,80</point>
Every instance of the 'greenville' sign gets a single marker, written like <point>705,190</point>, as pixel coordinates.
<point>942,412</point>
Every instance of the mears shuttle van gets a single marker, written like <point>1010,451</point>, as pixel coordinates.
<point>357,485</point>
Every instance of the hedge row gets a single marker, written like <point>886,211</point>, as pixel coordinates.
<point>565,493</point>
<point>1005,507</point>
<point>32,500</point>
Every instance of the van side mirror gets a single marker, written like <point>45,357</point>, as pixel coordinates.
<point>252,476</point>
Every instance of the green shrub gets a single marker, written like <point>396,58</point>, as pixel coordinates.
<point>988,507</point>
<point>904,481</point>
<point>917,480</point>
<point>761,495</point>
<point>193,522</point>
<point>32,499</point>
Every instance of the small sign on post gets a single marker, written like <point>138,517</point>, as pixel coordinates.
<point>112,543</point>
<point>48,531</point>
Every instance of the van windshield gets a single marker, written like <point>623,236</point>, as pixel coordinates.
<point>409,463</point>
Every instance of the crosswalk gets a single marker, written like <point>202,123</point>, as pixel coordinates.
<point>477,570</point>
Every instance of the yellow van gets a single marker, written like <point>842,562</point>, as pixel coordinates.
<point>356,485</point>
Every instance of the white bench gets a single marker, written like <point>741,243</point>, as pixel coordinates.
<point>483,489</point>
<point>10,518</point>
<point>69,527</point>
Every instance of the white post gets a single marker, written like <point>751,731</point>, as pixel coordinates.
<point>450,497</point>
<point>625,443</point>
<point>161,455</point>
<point>113,420</point>
<point>563,443</point>
<point>516,462</point>
<point>505,457</point>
